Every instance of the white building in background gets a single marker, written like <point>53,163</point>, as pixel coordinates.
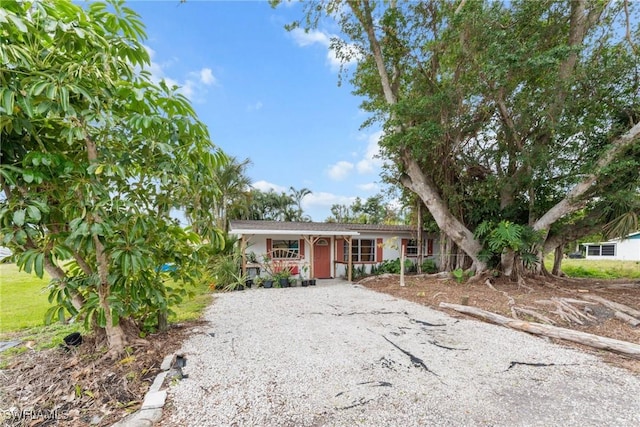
<point>5,252</point>
<point>627,249</point>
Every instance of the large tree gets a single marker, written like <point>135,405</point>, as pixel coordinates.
<point>508,120</point>
<point>93,157</point>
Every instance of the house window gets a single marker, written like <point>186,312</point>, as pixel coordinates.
<point>412,248</point>
<point>608,250</point>
<point>601,250</point>
<point>285,249</point>
<point>362,250</point>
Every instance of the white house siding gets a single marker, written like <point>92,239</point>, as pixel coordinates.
<point>391,246</point>
<point>625,250</point>
<point>258,245</point>
<point>390,250</point>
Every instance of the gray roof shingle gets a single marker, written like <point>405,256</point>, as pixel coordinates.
<point>316,226</point>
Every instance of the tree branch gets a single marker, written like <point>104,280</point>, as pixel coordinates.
<point>572,200</point>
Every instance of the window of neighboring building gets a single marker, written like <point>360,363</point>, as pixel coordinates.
<point>285,249</point>
<point>362,250</point>
<point>601,250</point>
<point>608,250</point>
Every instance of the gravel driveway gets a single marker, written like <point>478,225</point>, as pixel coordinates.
<point>342,355</point>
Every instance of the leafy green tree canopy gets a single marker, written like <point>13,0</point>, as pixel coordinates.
<point>94,156</point>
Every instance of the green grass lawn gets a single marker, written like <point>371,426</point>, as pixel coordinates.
<point>599,269</point>
<point>23,302</point>
<point>23,299</point>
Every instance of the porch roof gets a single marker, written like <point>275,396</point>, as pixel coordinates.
<point>311,228</point>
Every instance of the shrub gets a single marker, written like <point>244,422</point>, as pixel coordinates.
<point>429,266</point>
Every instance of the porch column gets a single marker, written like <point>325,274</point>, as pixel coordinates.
<point>312,241</point>
<point>350,258</point>
<point>243,249</point>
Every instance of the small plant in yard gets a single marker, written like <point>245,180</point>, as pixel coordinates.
<point>429,266</point>
<point>461,275</point>
<point>227,272</point>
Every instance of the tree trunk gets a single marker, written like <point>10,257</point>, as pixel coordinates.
<point>557,261</point>
<point>507,260</point>
<point>116,338</point>
<point>163,320</point>
<point>59,274</point>
<point>419,183</point>
<point>604,343</point>
<point>446,249</point>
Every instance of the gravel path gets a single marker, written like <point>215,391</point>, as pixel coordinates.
<point>342,355</point>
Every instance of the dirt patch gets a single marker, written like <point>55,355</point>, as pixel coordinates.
<point>79,387</point>
<point>544,297</point>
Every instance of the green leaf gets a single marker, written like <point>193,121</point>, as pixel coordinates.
<point>18,217</point>
<point>33,213</point>
<point>28,176</point>
<point>37,88</point>
<point>38,265</point>
<point>8,97</point>
<point>21,237</point>
<point>101,318</point>
<point>18,23</point>
<point>64,98</point>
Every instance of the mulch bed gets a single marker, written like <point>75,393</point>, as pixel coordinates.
<point>77,386</point>
<point>534,294</point>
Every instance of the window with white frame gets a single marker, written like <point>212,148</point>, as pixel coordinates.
<point>412,247</point>
<point>362,250</point>
<point>602,250</point>
<point>285,249</point>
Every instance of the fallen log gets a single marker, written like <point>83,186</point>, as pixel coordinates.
<point>441,275</point>
<point>614,305</point>
<point>596,341</point>
<point>626,318</point>
<point>380,276</point>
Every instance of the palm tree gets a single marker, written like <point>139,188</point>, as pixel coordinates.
<point>297,196</point>
<point>234,186</point>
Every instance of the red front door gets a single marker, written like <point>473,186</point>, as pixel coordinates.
<point>322,258</point>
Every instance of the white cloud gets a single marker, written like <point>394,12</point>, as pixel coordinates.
<point>340,170</point>
<point>370,186</point>
<point>265,186</point>
<point>306,38</point>
<point>193,84</point>
<point>370,161</point>
<point>325,200</point>
<point>254,107</point>
<point>351,54</point>
<point>206,76</point>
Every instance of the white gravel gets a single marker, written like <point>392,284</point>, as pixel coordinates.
<point>340,355</point>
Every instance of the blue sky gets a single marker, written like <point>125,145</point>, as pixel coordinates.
<point>267,94</point>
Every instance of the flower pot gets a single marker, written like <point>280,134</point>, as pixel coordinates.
<point>284,283</point>
<point>267,283</point>
<point>312,282</point>
<point>239,287</point>
<point>74,339</point>
<point>305,283</point>
<point>248,283</point>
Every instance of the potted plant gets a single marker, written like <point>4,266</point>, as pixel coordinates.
<point>265,282</point>
<point>282,277</point>
<point>304,271</point>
